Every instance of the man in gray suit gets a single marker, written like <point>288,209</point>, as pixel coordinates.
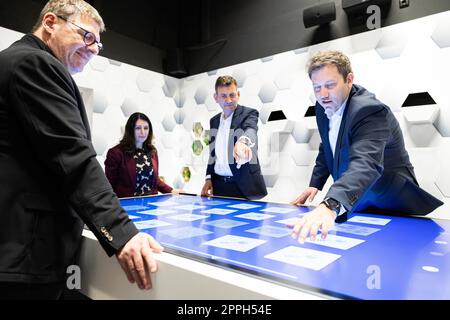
<point>362,148</point>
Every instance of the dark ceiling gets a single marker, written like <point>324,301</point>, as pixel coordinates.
<point>153,22</point>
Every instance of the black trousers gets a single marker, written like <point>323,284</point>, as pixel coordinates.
<point>226,188</point>
<point>30,291</point>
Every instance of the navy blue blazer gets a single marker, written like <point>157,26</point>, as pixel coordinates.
<point>371,168</point>
<point>248,177</point>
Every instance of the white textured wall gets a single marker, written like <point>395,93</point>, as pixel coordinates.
<point>392,62</point>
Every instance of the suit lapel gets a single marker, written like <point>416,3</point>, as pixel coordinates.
<point>323,126</point>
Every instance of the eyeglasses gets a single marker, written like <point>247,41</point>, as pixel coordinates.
<point>88,38</point>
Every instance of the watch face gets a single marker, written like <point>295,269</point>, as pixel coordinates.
<point>332,204</point>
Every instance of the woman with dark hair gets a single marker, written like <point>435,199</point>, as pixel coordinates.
<point>132,166</point>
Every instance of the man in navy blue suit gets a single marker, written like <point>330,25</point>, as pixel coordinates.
<point>233,167</point>
<point>362,148</point>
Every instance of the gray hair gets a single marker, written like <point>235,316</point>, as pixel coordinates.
<point>68,8</point>
<point>323,58</point>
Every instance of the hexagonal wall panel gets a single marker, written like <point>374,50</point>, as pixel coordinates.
<point>423,135</point>
<point>284,80</point>
<point>300,50</point>
<point>171,86</point>
<point>392,42</point>
<point>269,180</point>
<point>267,92</point>
<point>179,116</point>
<point>99,142</point>
<point>99,63</point>
<point>168,122</point>
<point>240,75</point>
<point>443,123</point>
<point>441,34</point>
<point>303,155</point>
<point>180,99</point>
<point>169,140</point>
<point>211,104</point>
<point>144,82</point>
<point>366,41</point>
<point>201,94</point>
<point>129,106</point>
<point>267,59</point>
<point>315,140</point>
<point>197,147</point>
<point>443,177</point>
<point>421,114</point>
<point>301,133</point>
<point>265,112</point>
<point>100,102</point>
<point>115,62</point>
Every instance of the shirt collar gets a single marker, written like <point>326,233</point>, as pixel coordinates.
<point>341,109</point>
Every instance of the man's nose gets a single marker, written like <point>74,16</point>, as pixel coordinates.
<point>323,92</point>
<point>93,49</point>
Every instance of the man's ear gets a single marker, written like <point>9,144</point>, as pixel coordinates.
<point>215,97</point>
<point>49,21</point>
<point>350,78</point>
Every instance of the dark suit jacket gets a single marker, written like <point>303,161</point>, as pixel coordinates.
<point>248,176</point>
<point>120,169</point>
<point>50,179</point>
<point>371,167</point>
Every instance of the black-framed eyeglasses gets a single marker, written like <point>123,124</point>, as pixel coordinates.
<point>88,38</point>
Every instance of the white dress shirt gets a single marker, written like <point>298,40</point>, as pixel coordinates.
<point>222,167</point>
<point>334,126</point>
<point>333,132</point>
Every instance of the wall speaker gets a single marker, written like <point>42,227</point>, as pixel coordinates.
<point>175,65</point>
<point>319,14</point>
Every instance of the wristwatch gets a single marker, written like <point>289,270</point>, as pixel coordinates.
<point>246,140</point>
<point>332,204</point>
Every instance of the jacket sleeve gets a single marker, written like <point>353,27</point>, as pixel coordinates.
<point>249,128</point>
<point>45,100</point>
<point>370,135</point>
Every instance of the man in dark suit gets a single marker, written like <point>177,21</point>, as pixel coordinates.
<point>362,148</point>
<point>233,167</point>
<point>50,181</point>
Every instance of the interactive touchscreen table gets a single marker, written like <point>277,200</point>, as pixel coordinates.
<point>367,257</point>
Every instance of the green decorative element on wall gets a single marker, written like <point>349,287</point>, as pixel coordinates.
<point>197,128</point>
<point>186,174</point>
<point>197,147</point>
<point>206,137</point>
